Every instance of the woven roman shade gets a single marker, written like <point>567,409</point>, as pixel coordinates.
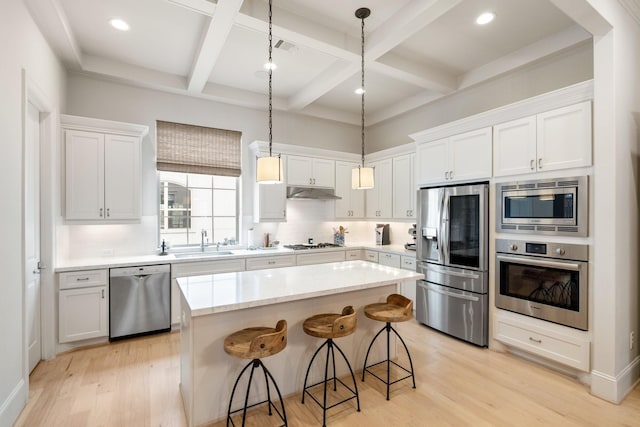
<point>197,149</point>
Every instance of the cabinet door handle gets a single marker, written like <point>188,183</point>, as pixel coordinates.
<point>532,165</point>
<point>100,212</point>
<point>103,294</point>
<point>450,174</point>
<point>108,214</point>
<point>82,279</point>
<point>540,163</point>
<point>271,262</point>
<point>535,340</point>
<point>446,175</point>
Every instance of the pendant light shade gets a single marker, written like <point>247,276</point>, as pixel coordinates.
<point>269,169</point>
<point>362,177</point>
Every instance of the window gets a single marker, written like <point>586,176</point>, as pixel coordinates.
<point>198,174</point>
<point>190,203</point>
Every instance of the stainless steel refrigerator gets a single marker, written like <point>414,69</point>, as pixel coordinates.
<point>452,253</point>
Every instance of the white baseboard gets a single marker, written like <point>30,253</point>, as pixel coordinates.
<point>615,389</point>
<point>13,405</point>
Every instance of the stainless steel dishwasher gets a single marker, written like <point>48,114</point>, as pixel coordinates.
<point>139,300</point>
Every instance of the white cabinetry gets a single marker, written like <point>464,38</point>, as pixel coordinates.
<point>197,269</point>
<point>277,261</point>
<point>462,157</point>
<point>404,186</point>
<point>270,202</point>
<point>557,139</point>
<point>408,289</point>
<point>353,254</point>
<point>379,199</point>
<point>352,203</point>
<point>390,260</point>
<point>309,171</point>
<point>320,257</point>
<point>371,256</point>
<point>83,304</point>
<point>102,169</point>
<point>554,342</point>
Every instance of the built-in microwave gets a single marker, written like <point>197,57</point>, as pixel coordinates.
<point>550,206</point>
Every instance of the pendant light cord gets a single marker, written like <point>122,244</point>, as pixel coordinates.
<point>270,80</point>
<point>362,87</point>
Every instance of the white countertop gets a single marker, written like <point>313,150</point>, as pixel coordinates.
<point>126,261</point>
<point>215,293</point>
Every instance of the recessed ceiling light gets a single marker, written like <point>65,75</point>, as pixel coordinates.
<point>485,18</point>
<point>270,66</point>
<point>360,91</point>
<point>119,24</point>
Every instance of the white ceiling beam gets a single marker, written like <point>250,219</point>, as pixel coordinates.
<point>329,78</point>
<point>421,75</point>
<point>534,52</point>
<point>409,20</point>
<point>204,7</point>
<point>50,17</point>
<point>402,106</point>
<point>404,24</point>
<point>220,26</point>
<point>583,13</point>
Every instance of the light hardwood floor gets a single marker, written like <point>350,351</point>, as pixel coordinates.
<point>135,383</point>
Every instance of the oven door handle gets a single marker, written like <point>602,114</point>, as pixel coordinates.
<point>542,263</point>
<point>447,293</point>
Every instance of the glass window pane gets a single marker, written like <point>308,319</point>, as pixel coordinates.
<point>228,182</point>
<point>174,177</point>
<point>200,181</point>
<point>224,202</point>
<point>201,202</point>
<point>224,228</point>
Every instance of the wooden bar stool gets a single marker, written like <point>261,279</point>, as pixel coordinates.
<point>331,326</point>
<point>396,309</point>
<point>256,343</point>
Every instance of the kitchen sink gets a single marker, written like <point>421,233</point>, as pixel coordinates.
<point>202,254</point>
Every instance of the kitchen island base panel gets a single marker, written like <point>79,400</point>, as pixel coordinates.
<point>207,373</point>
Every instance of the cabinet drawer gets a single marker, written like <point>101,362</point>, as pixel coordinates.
<point>206,267</point>
<point>271,262</point>
<point>353,254</point>
<point>566,349</point>
<point>370,255</point>
<point>320,258</point>
<point>83,279</point>
<point>390,260</point>
<point>408,263</point>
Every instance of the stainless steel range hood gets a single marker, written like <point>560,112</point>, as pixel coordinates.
<point>305,193</point>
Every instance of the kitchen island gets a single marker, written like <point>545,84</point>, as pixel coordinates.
<point>214,306</point>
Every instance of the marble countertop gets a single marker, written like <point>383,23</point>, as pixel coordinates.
<point>171,258</point>
<point>215,293</point>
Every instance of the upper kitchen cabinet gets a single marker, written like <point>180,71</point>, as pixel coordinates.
<point>270,202</point>
<point>462,157</point>
<point>310,171</point>
<point>404,186</point>
<point>351,204</point>
<point>553,140</point>
<point>102,169</point>
<point>379,198</point>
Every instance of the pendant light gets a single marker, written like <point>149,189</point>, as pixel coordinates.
<point>269,169</point>
<point>362,177</point>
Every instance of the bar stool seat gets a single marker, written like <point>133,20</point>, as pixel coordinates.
<point>331,326</point>
<point>256,343</point>
<point>397,308</point>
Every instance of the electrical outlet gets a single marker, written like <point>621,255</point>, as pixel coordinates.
<point>632,340</point>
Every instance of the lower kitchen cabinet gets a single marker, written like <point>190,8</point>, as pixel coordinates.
<point>353,254</point>
<point>371,256</point>
<point>319,257</point>
<point>560,344</point>
<point>271,262</point>
<point>408,289</point>
<point>83,305</point>
<point>390,260</point>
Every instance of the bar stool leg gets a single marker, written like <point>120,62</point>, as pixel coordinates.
<point>364,369</point>
<point>387,327</point>
<point>275,385</point>
<point>353,377</point>
<point>255,364</point>
<point>233,391</point>
<point>413,378</point>
<point>306,376</point>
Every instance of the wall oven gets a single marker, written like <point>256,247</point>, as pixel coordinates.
<point>543,280</point>
<point>552,206</point>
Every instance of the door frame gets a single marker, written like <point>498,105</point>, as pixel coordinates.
<point>49,129</point>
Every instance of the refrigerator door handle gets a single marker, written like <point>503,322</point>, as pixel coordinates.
<point>444,224</point>
<point>448,294</point>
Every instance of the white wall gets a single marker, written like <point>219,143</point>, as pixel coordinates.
<point>22,47</point>
<point>553,73</point>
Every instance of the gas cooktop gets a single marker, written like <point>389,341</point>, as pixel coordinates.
<point>314,246</point>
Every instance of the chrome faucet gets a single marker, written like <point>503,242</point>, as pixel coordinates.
<point>217,246</point>
<point>203,234</point>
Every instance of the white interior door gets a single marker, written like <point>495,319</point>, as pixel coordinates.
<point>32,235</point>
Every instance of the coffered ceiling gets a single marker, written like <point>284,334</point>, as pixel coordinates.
<point>416,51</point>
